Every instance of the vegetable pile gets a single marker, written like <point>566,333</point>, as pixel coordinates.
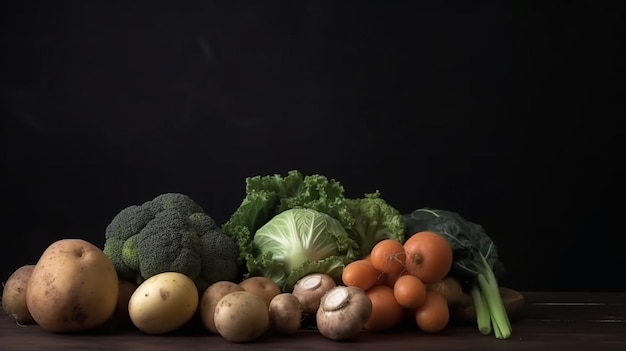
<point>395,276</point>
<point>296,253</point>
<point>323,231</point>
<point>476,257</point>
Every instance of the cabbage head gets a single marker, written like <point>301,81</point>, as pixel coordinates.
<point>297,242</point>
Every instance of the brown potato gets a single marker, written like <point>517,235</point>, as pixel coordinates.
<point>73,287</point>
<point>285,314</point>
<point>241,316</point>
<point>14,294</point>
<point>263,287</point>
<point>211,297</point>
<point>452,290</point>
<point>127,288</point>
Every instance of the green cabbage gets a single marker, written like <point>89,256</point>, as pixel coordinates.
<point>364,220</point>
<point>297,242</point>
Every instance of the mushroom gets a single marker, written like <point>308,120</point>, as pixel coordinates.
<point>343,312</point>
<point>285,314</point>
<point>310,289</point>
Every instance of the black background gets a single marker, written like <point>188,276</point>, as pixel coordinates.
<point>509,113</point>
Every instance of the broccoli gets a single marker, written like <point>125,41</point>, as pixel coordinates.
<point>170,233</point>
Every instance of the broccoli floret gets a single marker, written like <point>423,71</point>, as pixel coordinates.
<point>129,253</point>
<point>167,243</point>
<point>113,248</point>
<point>179,202</point>
<point>125,225</point>
<point>170,233</point>
<point>217,250</point>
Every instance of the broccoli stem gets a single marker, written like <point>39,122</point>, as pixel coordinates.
<point>483,317</point>
<point>488,286</point>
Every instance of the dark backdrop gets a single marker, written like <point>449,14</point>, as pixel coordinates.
<point>508,113</point>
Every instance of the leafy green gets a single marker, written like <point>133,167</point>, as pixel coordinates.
<point>297,242</point>
<point>476,262</point>
<point>267,196</point>
<point>365,220</point>
<point>374,220</point>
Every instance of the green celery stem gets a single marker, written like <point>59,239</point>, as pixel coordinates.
<point>483,317</point>
<point>490,288</point>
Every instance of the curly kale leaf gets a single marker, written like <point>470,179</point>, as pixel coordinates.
<point>375,220</point>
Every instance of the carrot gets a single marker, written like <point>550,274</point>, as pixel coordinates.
<point>386,311</point>
<point>433,315</point>
<point>409,291</point>
<point>390,279</point>
<point>388,256</point>
<point>428,256</point>
<point>360,274</point>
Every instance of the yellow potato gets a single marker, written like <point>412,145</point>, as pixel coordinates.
<point>73,287</point>
<point>14,294</point>
<point>163,303</point>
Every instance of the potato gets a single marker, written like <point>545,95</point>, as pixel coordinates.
<point>163,303</point>
<point>452,290</point>
<point>263,287</point>
<point>73,287</point>
<point>211,297</point>
<point>127,288</point>
<point>285,314</point>
<point>241,316</point>
<point>14,294</point>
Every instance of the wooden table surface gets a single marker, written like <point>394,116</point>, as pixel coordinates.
<point>572,321</point>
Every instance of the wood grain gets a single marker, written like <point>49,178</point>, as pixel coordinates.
<point>573,321</point>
